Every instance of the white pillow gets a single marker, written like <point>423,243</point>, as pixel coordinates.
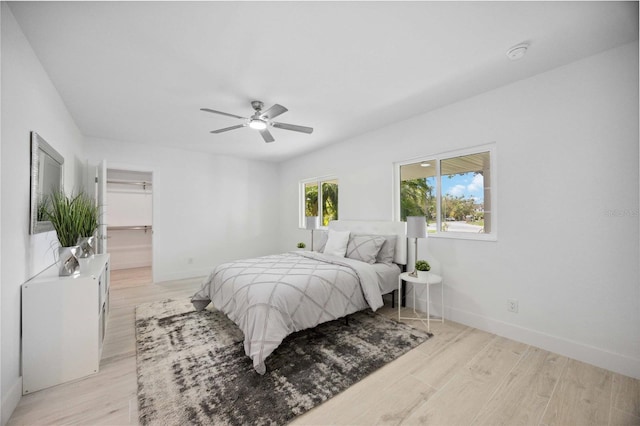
<point>321,240</point>
<point>337,243</point>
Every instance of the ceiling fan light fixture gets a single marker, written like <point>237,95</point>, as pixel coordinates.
<point>257,124</point>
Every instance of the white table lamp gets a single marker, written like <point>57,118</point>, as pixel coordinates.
<point>312,223</point>
<point>416,228</point>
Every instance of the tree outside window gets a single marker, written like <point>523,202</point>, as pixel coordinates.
<point>457,187</point>
<point>417,190</point>
<point>327,198</point>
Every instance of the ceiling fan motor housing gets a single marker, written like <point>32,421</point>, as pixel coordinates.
<point>257,105</point>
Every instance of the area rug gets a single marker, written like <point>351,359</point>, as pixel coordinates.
<point>192,368</point>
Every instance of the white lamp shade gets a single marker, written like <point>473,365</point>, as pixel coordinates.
<point>416,227</point>
<point>312,222</point>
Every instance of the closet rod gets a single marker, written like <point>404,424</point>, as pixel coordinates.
<point>128,182</point>
<point>132,228</point>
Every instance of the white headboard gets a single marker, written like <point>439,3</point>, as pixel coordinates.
<point>378,228</point>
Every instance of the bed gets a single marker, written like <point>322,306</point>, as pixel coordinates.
<point>273,296</point>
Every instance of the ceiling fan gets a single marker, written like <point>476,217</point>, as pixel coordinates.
<point>261,121</point>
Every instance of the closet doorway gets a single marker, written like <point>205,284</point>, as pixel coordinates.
<point>129,202</point>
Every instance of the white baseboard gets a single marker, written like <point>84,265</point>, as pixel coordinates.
<point>602,358</point>
<point>10,400</point>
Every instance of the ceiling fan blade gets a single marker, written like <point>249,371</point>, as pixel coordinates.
<point>221,113</point>
<point>266,136</point>
<point>293,127</point>
<point>273,112</point>
<point>226,129</point>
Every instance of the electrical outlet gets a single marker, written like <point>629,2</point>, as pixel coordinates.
<point>512,305</point>
<point>190,260</point>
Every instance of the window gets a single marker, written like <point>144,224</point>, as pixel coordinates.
<point>323,203</point>
<point>454,191</point>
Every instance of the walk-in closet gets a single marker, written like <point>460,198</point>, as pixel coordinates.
<point>130,218</point>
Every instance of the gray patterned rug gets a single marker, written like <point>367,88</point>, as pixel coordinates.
<point>192,368</point>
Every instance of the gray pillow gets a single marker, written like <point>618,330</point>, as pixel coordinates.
<point>364,247</point>
<point>388,249</point>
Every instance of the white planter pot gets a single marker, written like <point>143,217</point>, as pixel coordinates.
<point>423,274</point>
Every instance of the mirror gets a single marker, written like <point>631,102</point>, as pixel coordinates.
<point>46,178</point>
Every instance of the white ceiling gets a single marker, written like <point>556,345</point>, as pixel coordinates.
<point>140,71</point>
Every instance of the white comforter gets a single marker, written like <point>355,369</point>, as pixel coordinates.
<point>273,296</point>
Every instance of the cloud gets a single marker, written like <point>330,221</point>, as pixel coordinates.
<point>477,184</point>
<point>457,190</point>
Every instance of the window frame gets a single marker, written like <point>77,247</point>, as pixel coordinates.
<point>493,185</point>
<point>302,222</point>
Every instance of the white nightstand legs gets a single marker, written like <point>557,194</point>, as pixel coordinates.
<point>429,303</point>
<point>430,280</point>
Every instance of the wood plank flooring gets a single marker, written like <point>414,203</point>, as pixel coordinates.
<point>462,376</point>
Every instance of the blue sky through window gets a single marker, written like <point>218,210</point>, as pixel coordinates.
<point>467,185</point>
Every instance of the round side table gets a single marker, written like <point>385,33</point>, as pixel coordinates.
<point>430,280</point>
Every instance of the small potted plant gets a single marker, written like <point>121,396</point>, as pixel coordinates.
<point>63,214</point>
<point>422,266</point>
<point>301,245</point>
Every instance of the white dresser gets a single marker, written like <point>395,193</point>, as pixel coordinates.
<point>63,324</point>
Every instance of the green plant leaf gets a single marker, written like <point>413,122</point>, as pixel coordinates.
<point>72,216</point>
<point>422,265</point>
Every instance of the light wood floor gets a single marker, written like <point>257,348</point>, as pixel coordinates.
<point>462,376</point>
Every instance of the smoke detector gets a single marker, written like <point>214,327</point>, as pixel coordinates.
<point>517,52</point>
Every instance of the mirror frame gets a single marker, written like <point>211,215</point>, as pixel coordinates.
<point>38,147</point>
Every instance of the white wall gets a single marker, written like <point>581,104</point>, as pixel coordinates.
<point>29,102</point>
<point>206,209</point>
<point>567,149</point>
<point>131,207</point>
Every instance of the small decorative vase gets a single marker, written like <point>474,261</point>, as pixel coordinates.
<point>87,246</point>
<point>68,261</point>
<point>423,274</point>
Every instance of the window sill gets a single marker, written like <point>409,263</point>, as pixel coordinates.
<point>464,236</point>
